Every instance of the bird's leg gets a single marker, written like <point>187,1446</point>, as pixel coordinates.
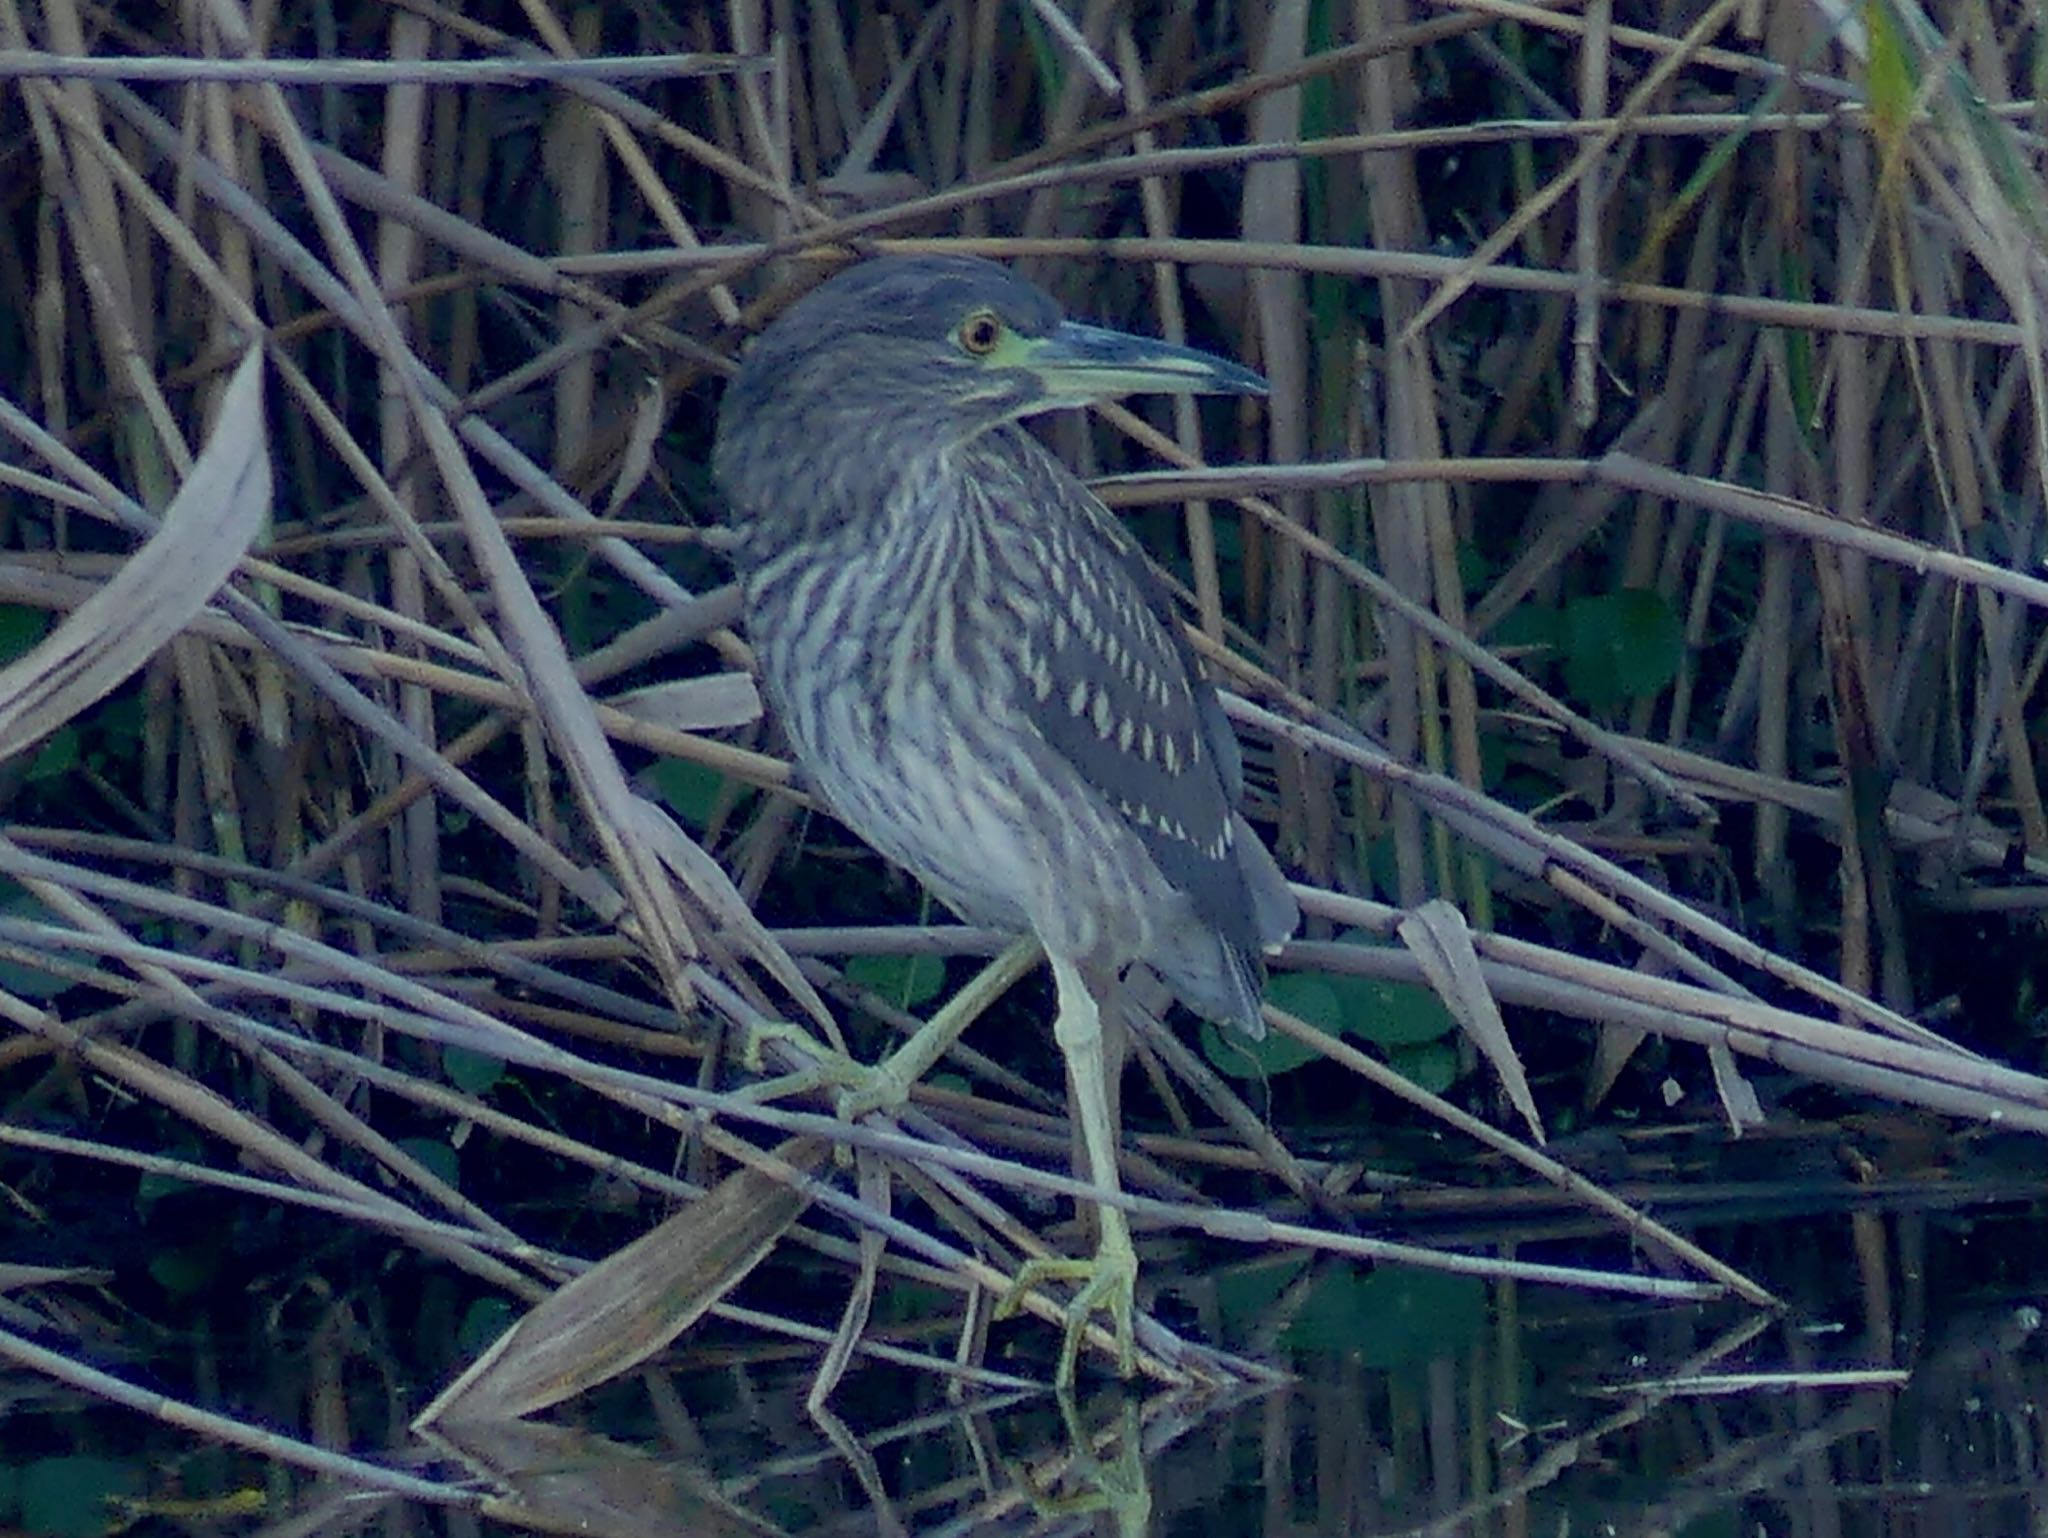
<point>885,1085</point>
<point>1109,1281</point>
<point>1115,1052</point>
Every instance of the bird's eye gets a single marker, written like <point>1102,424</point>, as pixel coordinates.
<point>980,333</point>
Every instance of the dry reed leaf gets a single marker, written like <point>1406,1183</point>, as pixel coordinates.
<point>876,1190</point>
<point>680,855</point>
<point>1738,1095</point>
<point>13,1278</point>
<point>1436,936</point>
<point>1613,1046</point>
<point>209,526</point>
<point>650,411</point>
<point>711,703</point>
<point>634,1302</point>
<point>557,1479</point>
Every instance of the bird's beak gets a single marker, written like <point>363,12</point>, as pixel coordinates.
<point>1078,364</point>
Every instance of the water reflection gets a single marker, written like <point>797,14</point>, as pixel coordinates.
<point>1418,1410</point>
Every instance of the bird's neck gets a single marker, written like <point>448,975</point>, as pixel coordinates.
<point>843,491</point>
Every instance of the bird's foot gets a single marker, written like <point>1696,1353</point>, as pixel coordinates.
<point>886,1085</point>
<point>1109,1284</point>
<point>861,1087</point>
<point>877,1088</point>
<point>1119,1486</point>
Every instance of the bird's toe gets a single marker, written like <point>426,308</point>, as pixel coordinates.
<point>1108,1285</point>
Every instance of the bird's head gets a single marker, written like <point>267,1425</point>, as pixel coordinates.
<point>901,356</point>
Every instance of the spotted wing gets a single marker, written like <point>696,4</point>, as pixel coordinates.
<point>1114,690</point>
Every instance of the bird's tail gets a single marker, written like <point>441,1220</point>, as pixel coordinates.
<point>1217,980</point>
<point>1223,978</point>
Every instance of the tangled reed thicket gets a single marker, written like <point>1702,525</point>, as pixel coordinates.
<point>1629,588</point>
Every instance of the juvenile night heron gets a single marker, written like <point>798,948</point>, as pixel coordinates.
<point>975,667</point>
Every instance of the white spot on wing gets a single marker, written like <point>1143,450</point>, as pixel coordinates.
<point>1084,621</point>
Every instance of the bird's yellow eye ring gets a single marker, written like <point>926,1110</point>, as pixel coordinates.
<point>980,333</point>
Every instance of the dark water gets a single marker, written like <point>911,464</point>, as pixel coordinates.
<point>1906,1394</point>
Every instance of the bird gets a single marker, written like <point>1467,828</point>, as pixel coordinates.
<point>978,672</point>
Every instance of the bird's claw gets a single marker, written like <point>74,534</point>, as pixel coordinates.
<point>861,1087</point>
<point>879,1088</point>
<point>1109,1284</point>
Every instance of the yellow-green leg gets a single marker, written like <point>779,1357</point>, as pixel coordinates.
<point>1109,1281</point>
<point>886,1085</point>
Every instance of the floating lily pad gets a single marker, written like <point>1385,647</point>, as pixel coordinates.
<point>1390,1316</point>
<point>73,1496</point>
<point>471,1071</point>
<point>905,981</point>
